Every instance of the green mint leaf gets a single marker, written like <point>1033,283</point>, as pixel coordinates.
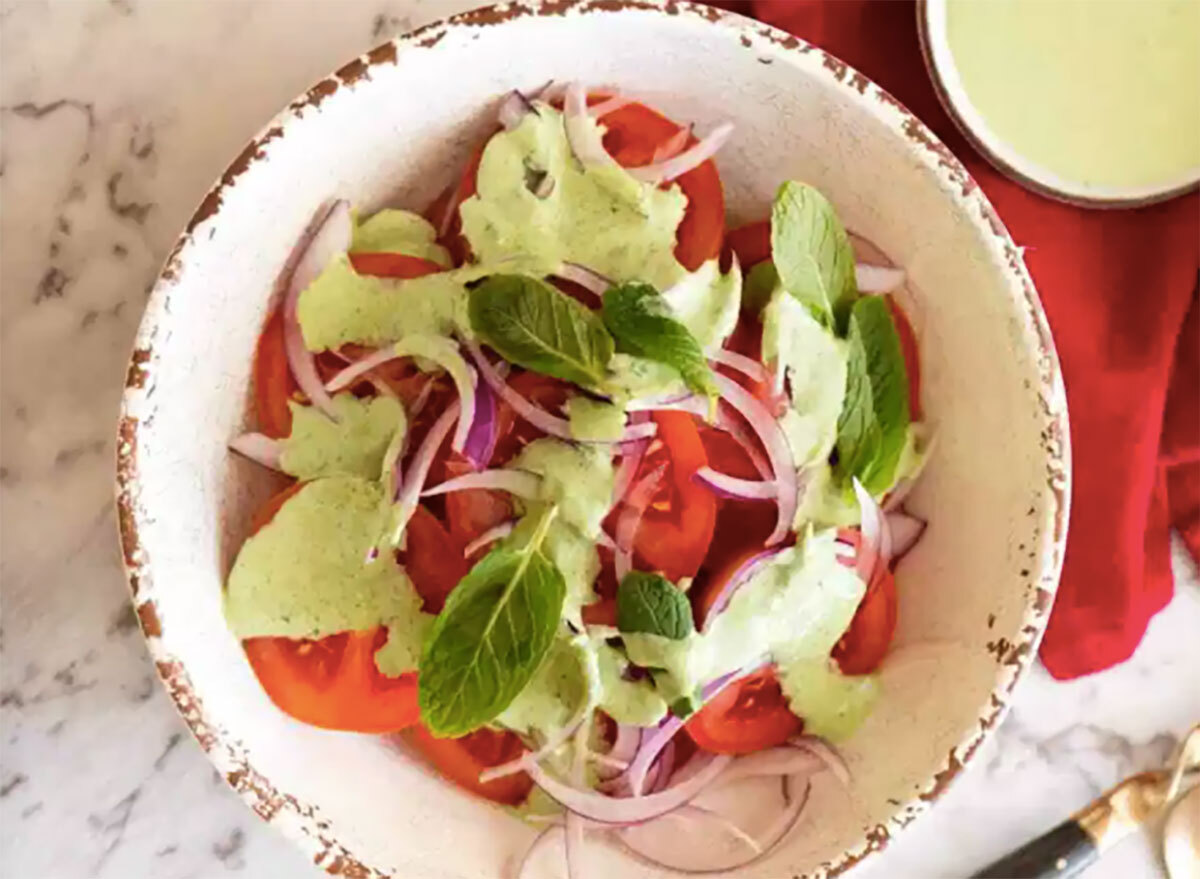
<point>642,324</point>
<point>761,282</point>
<point>540,328</point>
<point>812,252</point>
<point>873,426</point>
<point>487,643</point>
<point>649,604</point>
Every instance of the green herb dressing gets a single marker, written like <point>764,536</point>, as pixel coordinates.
<point>393,231</point>
<point>815,361</point>
<point>594,420</point>
<point>794,610</point>
<point>353,445</point>
<point>1100,93</point>
<point>599,216</point>
<point>305,574</point>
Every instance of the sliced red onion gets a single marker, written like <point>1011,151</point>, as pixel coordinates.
<point>870,549</point>
<point>345,377</point>
<point>519,482</point>
<point>260,448</point>
<point>877,279</point>
<point>574,845</point>
<point>827,754</point>
<point>663,769</point>
<point>522,763</point>
<point>776,445</point>
<point>631,459</point>
<point>906,529</point>
<point>748,366</point>
<point>795,799</point>
<point>785,760</point>
<point>609,105</point>
<point>593,282</point>
<point>392,466</point>
<point>739,489</point>
<point>690,403</point>
<point>734,428</point>
<point>631,518</point>
<point>693,811</point>
<point>544,837</point>
<point>625,744</point>
<point>418,470</point>
<point>621,812</point>
<point>702,151</point>
<point>446,356</point>
<point>602,539</point>
<point>672,147</point>
<point>483,432</point>
<point>497,532</point>
<point>582,134</point>
<point>655,740</point>
<point>330,236</point>
<point>537,416</point>
<point>447,221</point>
<point>747,570</point>
<point>513,109</point>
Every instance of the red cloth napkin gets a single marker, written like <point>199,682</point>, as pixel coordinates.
<point>1117,287</point>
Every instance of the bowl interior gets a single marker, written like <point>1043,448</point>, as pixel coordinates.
<point>393,132</point>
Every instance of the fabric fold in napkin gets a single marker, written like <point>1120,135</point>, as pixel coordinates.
<point>1120,289</point>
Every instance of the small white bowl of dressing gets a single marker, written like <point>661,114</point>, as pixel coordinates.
<point>1093,103</point>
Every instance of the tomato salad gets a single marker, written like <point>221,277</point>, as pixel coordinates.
<point>593,501</point>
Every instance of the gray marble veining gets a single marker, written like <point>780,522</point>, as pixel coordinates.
<point>114,118</point>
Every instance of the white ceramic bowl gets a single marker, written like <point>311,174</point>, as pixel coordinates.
<point>392,127</point>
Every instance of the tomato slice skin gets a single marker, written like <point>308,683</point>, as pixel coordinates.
<point>677,528</point>
<point>393,265</point>
<point>866,641</point>
<point>273,382</point>
<point>747,716</point>
<point>751,243</point>
<point>462,759</point>
<point>332,682</point>
<point>433,559</point>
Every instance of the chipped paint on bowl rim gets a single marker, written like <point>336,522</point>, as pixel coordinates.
<point>1012,651</point>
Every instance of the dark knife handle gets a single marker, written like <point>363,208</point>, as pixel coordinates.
<point>1063,852</point>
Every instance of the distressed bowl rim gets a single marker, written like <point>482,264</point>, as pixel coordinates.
<point>308,831</point>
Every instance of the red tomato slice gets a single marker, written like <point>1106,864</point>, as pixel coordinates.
<point>273,382</point>
<point>751,243</point>
<point>748,715</point>
<point>513,431</point>
<point>470,513</point>
<point>912,358</point>
<point>433,559</point>
<point>393,265</point>
<point>740,524</point>
<point>333,682</point>
<point>865,643</point>
<point>462,759</point>
<point>632,134</point>
<point>677,528</point>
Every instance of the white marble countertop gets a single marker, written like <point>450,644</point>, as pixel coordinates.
<point>116,117</point>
